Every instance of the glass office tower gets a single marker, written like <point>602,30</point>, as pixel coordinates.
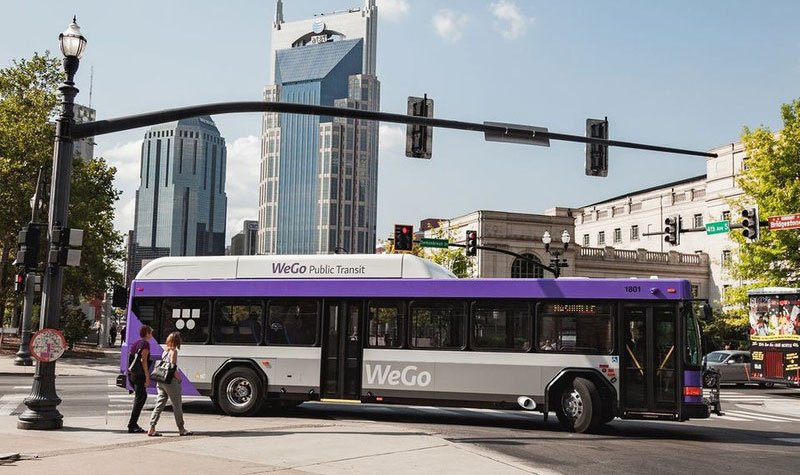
<point>181,204</point>
<point>318,188</point>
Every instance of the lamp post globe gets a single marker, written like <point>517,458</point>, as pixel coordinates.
<point>565,237</point>
<point>42,412</point>
<point>72,41</point>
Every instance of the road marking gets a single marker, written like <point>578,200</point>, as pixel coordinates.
<point>791,440</point>
<point>9,402</point>
<point>119,412</point>
<point>764,417</point>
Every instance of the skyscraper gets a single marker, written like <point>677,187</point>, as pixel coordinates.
<point>318,191</point>
<point>181,203</point>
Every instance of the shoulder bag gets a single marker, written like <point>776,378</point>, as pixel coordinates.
<point>164,370</point>
<point>135,364</point>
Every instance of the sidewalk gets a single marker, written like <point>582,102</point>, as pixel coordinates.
<point>66,366</point>
<point>247,445</point>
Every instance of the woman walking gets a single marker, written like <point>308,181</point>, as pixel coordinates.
<point>139,376</point>
<point>171,390</point>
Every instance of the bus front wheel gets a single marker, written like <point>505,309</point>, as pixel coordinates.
<point>579,406</point>
<point>240,392</point>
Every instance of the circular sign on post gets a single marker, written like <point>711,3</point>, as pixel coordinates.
<point>48,344</point>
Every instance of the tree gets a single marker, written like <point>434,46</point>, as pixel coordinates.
<point>770,180</point>
<point>452,258</point>
<point>28,105</point>
<point>28,100</point>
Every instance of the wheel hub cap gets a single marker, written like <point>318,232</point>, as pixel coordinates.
<point>239,391</point>
<point>572,404</point>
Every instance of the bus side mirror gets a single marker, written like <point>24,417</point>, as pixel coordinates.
<point>707,312</point>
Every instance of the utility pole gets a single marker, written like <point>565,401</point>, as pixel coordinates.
<point>23,353</point>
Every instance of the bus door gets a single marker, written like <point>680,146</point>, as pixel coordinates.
<point>341,350</point>
<point>648,358</point>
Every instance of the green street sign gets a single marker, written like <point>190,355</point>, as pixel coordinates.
<point>718,227</point>
<point>430,242</point>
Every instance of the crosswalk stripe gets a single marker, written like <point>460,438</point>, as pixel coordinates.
<point>9,402</point>
<point>765,417</point>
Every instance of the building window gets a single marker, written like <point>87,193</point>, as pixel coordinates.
<point>601,238</point>
<point>585,240</point>
<point>634,232</point>
<point>525,269</point>
<point>726,215</point>
<point>726,259</point>
<point>698,221</point>
<point>695,290</point>
<point>617,235</point>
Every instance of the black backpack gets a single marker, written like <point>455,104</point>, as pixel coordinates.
<point>135,362</point>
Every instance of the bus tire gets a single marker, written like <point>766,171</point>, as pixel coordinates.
<point>579,406</point>
<point>240,392</point>
<point>766,385</point>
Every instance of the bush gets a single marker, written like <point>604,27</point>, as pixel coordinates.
<point>76,326</point>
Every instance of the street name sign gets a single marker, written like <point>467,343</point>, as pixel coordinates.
<point>430,242</point>
<point>718,227</point>
<point>786,221</point>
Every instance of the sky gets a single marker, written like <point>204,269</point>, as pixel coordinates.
<point>682,74</point>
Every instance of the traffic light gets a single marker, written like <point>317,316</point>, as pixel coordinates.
<point>68,241</point>
<point>19,283</point>
<point>472,243</point>
<point>597,155</point>
<point>419,138</point>
<point>119,297</point>
<point>672,230</point>
<point>403,238</point>
<point>28,246</point>
<point>750,223</point>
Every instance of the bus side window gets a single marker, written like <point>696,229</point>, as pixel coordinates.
<point>292,322</point>
<point>385,324</point>
<point>188,316</point>
<point>148,312</point>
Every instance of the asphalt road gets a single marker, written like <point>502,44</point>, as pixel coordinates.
<point>760,432</point>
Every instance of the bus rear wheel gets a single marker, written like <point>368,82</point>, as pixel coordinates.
<point>240,392</point>
<point>580,408</point>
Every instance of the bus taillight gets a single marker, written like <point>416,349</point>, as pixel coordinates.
<point>692,391</point>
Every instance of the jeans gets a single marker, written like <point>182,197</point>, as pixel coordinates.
<point>140,397</point>
<point>171,391</point>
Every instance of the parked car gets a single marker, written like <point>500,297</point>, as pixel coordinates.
<point>731,366</point>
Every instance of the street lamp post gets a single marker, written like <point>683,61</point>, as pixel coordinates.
<point>42,412</point>
<point>556,262</point>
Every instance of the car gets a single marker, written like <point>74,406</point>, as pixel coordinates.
<point>731,366</point>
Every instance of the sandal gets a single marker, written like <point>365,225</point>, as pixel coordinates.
<point>186,432</point>
<point>154,434</point>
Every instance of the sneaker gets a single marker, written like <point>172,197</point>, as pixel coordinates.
<point>135,430</point>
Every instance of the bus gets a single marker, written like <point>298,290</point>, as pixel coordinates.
<point>774,335</point>
<point>398,329</point>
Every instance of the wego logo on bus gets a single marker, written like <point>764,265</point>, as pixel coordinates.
<point>408,376</point>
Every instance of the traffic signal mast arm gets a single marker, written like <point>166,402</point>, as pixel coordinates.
<point>510,253</point>
<point>101,127</point>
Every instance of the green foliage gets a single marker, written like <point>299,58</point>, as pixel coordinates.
<point>75,325</point>
<point>769,180</point>
<point>28,106</point>
<point>451,258</point>
<point>28,100</point>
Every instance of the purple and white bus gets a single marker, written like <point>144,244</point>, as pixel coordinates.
<point>398,329</point>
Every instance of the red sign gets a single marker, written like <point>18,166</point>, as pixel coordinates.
<point>787,221</point>
<point>48,344</point>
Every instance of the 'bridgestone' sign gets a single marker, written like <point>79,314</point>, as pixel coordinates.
<point>787,221</point>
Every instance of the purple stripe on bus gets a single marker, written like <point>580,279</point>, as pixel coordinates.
<point>134,324</point>
<point>626,289</point>
<point>693,399</point>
